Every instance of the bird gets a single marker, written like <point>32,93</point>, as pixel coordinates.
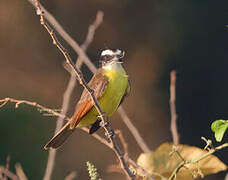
<point>110,84</point>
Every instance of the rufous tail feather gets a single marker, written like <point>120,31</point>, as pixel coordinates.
<point>60,137</point>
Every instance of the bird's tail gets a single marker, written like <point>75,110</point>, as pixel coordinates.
<point>60,137</point>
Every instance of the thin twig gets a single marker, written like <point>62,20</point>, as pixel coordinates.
<point>83,57</point>
<point>92,30</point>
<point>173,124</point>
<point>38,106</point>
<point>8,162</point>
<point>20,172</point>
<point>55,24</point>
<point>107,127</point>
<point>7,167</point>
<point>71,176</point>
<point>8,173</point>
<point>134,131</point>
<point>99,138</point>
<point>68,92</point>
<point>137,166</point>
<point>125,146</point>
<point>185,162</point>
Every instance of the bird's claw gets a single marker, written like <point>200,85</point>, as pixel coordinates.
<point>103,124</point>
<point>109,134</point>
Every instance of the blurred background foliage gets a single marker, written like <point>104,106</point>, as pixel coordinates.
<point>158,36</point>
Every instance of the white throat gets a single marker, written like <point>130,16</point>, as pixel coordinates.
<point>114,65</point>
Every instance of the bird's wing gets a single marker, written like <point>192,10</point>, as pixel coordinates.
<point>98,83</point>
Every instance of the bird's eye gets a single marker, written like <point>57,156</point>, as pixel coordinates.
<point>106,58</point>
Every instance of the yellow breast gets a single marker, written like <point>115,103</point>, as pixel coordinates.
<point>110,100</point>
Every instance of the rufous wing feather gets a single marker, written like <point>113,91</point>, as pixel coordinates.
<point>84,108</point>
<point>98,83</point>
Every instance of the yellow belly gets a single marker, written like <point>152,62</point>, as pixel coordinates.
<point>110,100</point>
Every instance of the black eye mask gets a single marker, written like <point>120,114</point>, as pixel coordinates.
<point>106,58</point>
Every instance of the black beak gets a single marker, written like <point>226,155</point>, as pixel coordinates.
<point>121,55</point>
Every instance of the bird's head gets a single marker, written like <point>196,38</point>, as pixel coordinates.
<point>110,57</point>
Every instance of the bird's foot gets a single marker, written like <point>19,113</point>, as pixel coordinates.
<point>109,134</point>
<point>103,124</point>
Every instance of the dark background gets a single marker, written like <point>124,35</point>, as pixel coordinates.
<point>158,36</point>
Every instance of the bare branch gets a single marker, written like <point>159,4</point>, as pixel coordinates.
<point>68,92</point>
<point>83,57</point>
<point>8,162</point>
<point>125,146</point>
<point>71,176</point>
<point>8,173</point>
<point>20,172</point>
<point>50,163</point>
<point>65,35</point>
<point>92,30</point>
<point>3,176</point>
<point>137,166</point>
<point>103,117</point>
<point>99,138</point>
<point>173,124</point>
<point>133,130</point>
<point>18,102</point>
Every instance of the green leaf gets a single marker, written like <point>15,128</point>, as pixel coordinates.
<point>219,127</point>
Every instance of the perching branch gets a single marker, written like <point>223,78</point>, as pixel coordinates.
<point>103,117</point>
<point>173,124</point>
<point>51,111</point>
<point>68,92</point>
<point>83,57</point>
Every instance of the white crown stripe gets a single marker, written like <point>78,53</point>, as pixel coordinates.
<point>110,52</point>
<point>107,52</point>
